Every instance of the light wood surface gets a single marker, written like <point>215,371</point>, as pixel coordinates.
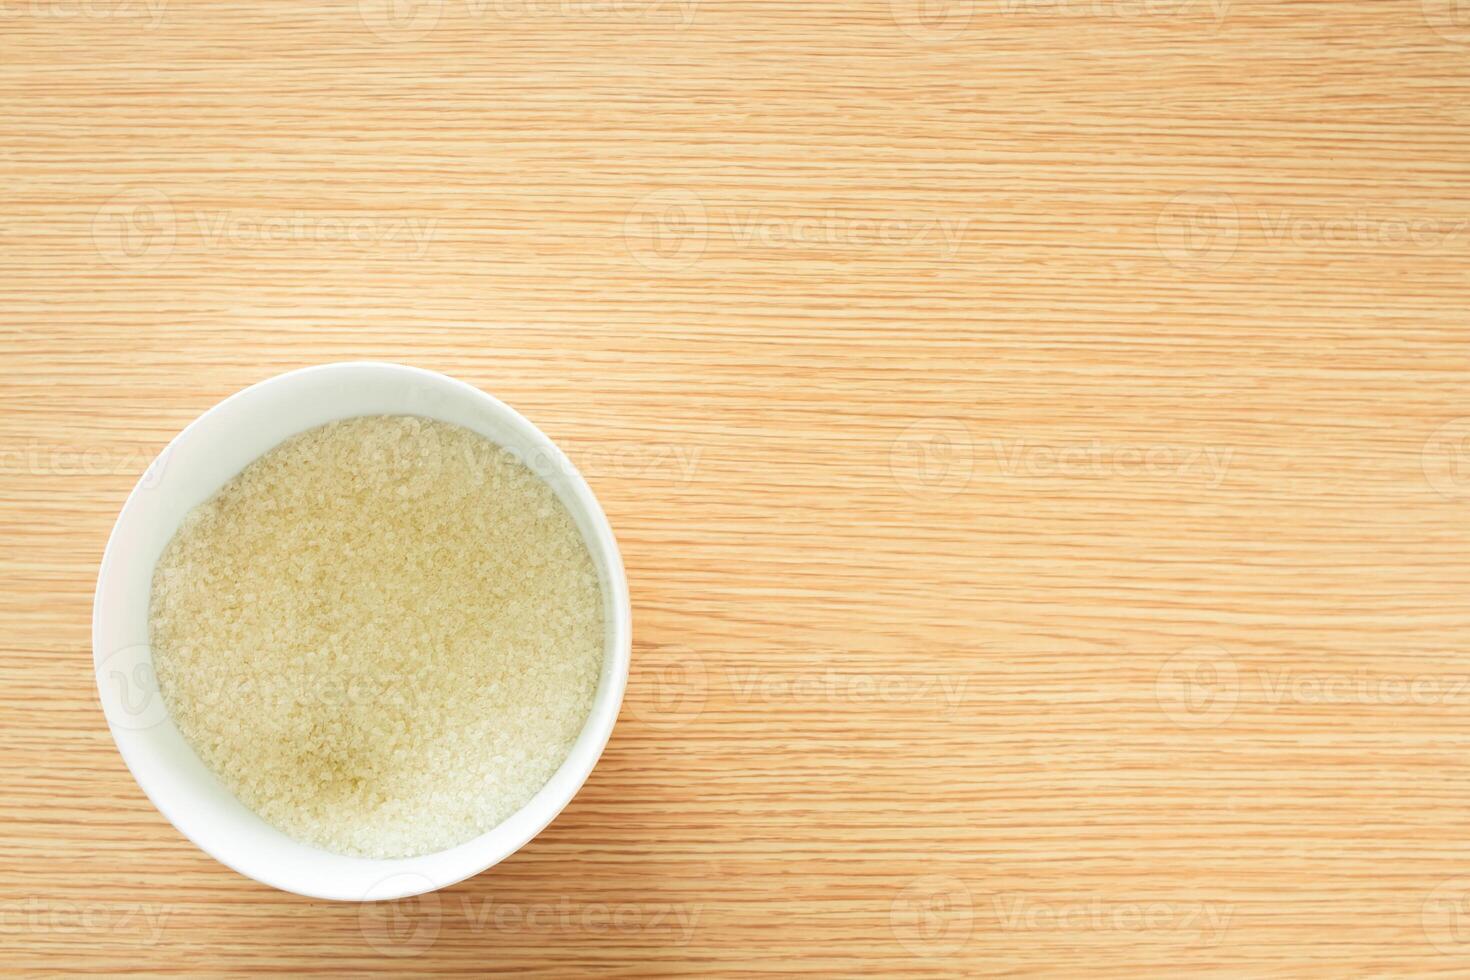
<point>1037,433</point>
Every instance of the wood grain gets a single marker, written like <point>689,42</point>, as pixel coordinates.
<point>1037,434</point>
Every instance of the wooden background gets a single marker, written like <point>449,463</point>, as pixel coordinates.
<point>1037,433</point>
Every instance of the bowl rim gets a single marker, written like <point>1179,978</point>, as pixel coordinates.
<point>400,881</point>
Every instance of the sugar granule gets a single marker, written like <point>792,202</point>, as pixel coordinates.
<point>383,635</point>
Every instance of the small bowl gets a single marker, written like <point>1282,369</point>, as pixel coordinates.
<point>202,458</point>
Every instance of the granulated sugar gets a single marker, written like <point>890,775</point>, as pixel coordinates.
<point>384,635</point>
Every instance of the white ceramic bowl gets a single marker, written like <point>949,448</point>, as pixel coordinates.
<point>211,450</point>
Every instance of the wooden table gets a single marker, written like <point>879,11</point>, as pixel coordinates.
<point>1037,433</point>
